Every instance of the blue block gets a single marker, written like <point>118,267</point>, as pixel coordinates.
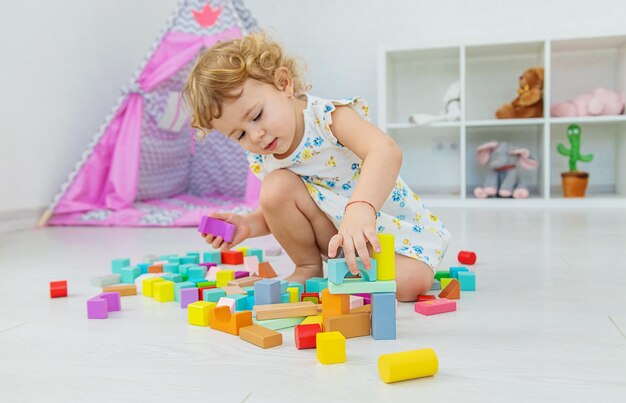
<point>249,302</point>
<point>196,273</point>
<point>170,268</point>
<point>190,260</point>
<point>178,286</point>
<point>214,256</point>
<point>267,291</point>
<point>283,286</point>
<point>338,269</point>
<point>240,301</point>
<point>129,274</point>
<point>299,286</point>
<point>454,271</point>
<point>285,298</point>
<point>255,252</point>
<point>143,267</point>
<point>213,294</point>
<point>467,280</point>
<point>173,277</point>
<point>316,284</point>
<point>384,316</point>
<point>117,264</point>
<point>249,290</point>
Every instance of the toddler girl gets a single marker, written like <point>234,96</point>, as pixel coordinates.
<point>329,177</point>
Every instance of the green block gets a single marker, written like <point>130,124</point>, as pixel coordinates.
<point>277,324</point>
<point>255,252</point>
<point>178,286</point>
<point>358,286</point>
<point>205,283</point>
<point>442,274</point>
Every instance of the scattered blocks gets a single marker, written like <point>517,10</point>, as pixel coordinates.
<point>405,365</point>
<point>178,287</point>
<point>103,281</point>
<point>261,336</point>
<point>233,257</point>
<point>357,285</point>
<point>234,289</point>
<point>468,281</point>
<point>196,273</point>
<point>350,325</point>
<point>435,306</point>
<point>442,274</point>
<point>229,302</point>
<point>266,270</point>
<point>123,289</point>
<point>452,290</point>
<point>445,282</point>
<point>114,302</point>
<point>305,335</point>
<point>331,347</point>
<point>384,316</point>
<point>188,296</point>
<point>386,259</point>
<point>217,227</point>
<point>267,292</point>
<point>147,285</point>
<point>223,277</point>
<point>163,291</point>
<point>335,304</point>
<point>221,319</point>
<point>173,277</point>
<point>466,257</point>
<point>288,310</point>
<point>58,289</point>
<point>198,313</point>
<point>316,284</point>
<point>338,270</point>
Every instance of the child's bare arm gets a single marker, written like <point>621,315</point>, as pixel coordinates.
<point>248,226</point>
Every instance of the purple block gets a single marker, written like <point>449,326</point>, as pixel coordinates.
<point>188,296</point>
<point>242,274</point>
<point>113,299</point>
<point>208,265</point>
<point>367,298</point>
<point>210,225</point>
<point>97,308</point>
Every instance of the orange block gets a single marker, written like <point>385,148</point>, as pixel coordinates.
<point>452,290</point>
<point>266,270</point>
<point>335,304</point>
<point>351,325</point>
<point>365,308</point>
<point>157,268</point>
<point>221,319</point>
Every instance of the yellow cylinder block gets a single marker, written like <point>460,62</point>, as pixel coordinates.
<point>407,365</point>
<point>386,259</point>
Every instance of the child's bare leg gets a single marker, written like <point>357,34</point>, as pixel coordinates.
<point>413,278</point>
<point>298,224</point>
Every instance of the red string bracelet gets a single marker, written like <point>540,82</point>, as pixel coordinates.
<point>361,201</point>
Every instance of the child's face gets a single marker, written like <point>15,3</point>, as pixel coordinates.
<point>262,120</point>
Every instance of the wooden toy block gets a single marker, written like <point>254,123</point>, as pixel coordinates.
<point>334,304</point>
<point>249,289</point>
<point>173,277</point>
<point>357,285</point>
<point>445,282</point>
<point>223,277</point>
<point>106,280</point>
<point>243,249</point>
<point>147,285</point>
<point>171,268</point>
<point>350,325</point>
<point>155,268</point>
<point>241,274</point>
<point>442,274</point>
<point>267,291</point>
<point>212,273</point>
<point>250,302</point>
<point>454,271</point>
<point>284,298</point>
<point>289,310</point>
<point>129,274</point>
<point>229,302</point>
<point>355,302</point>
<point>261,336</point>
<point>58,289</point>
<point>213,294</point>
<point>436,285</point>
<point>196,273</point>
<point>194,253</point>
<point>234,289</point>
<point>466,257</point>
<point>213,256</point>
<point>266,270</point>
<point>198,313</point>
<point>208,265</point>
<point>367,297</point>
<point>283,286</point>
<point>255,252</point>
<point>178,287</point>
<point>163,291</point>
<point>143,267</point>
<point>123,289</point>
<point>117,264</point>
<point>435,306</point>
<point>467,280</point>
<point>251,263</point>
<point>319,319</point>
<point>386,259</point>
<point>331,347</point>
<point>306,335</point>
<point>384,316</point>
<point>139,280</point>
<point>293,294</point>
<point>188,296</point>
<point>338,270</point>
<point>114,302</point>
<point>233,257</point>
<point>311,296</point>
<point>241,302</point>
<point>97,308</point>
<point>279,324</point>
<point>273,251</point>
<point>365,308</point>
<point>316,284</point>
<point>190,260</point>
<point>244,282</point>
<point>452,290</point>
<point>221,319</point>
<point>205,283</point>
<point>217,227</point>
<point>299,286</point>
<point>201,291</point>
<point>405,365</point>
<point>183,269</point>
<point>421,298</point>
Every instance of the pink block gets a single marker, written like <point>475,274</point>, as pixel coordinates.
<point>229,302</point>
<point>97,308</point>
<point>114,302</point>
<point>210,225</point>
<point>251,263</point>
<point>435,306</point>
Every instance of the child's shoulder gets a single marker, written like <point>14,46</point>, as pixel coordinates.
<point>322,108</point>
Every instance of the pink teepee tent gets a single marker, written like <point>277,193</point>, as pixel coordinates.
<point>143,168</point>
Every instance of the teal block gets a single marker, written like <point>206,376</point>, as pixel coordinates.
<point>213,294</point>
<point>178,286</point>
<point>249,302</point>
<point>359,286</point>
<point>249,290</point>
<point>255,252</point>
<point>129,274</point>
<point>338,269</point>
<point>285,298</point>
<point>214,256</point>
<point>196,254</point>
<point>173,277</point>
<point>183,268</point>
<point>467,280</point>
<point>316,284</point>
<point>196,273</point>
<point>190,260</point>
<point>241,301</point>
<point>117,264</point>
<point>454,271</point>
<point>170,268</point>
<point>283,286</point>
<point>174,260</point>
<point>299,286</point>
<point>143,267</point>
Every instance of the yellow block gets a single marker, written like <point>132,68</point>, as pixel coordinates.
<point>445,282</point>
<point>163,291</point>
<point>243,249</point>
<point>315,319</point>
<point>331,347</point>
<point>293,294</point>
<point>407,365</point>
<point>198,312</point>
<point>148,284</point>
<point>223,277</point>
<point>386,259</point>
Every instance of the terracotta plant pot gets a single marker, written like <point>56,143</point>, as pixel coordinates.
<point>574,183</point>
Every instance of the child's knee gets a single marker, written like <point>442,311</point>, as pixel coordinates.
<point>413,280</point>
<point>277,188</point>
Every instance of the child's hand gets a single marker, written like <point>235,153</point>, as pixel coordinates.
<point>242,232</point>
<point>357,228</point>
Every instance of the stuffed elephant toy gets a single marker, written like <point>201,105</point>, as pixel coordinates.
<point>505,161</point>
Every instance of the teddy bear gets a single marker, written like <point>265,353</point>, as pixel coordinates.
<point>529,102</point>
<point>599,102</point>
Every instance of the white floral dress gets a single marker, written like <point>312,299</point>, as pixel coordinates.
<point>331,171</point>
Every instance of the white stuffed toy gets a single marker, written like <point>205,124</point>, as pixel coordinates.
<point>451,110</point>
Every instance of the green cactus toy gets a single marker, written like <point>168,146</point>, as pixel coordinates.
<point>573,134</point>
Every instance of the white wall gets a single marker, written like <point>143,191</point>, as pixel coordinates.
<point>62,62</point>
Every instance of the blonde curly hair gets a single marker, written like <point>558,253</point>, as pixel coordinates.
<point>224,68</point>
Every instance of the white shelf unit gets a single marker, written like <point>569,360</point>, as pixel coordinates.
<point>439,159</point>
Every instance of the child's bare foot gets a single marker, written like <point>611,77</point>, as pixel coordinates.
<point>304,272</point>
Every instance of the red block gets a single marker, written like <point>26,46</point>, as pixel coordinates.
<point>232,257</point>
<point>201,289</point>
<point>314,295</point>
<point>435,306</point>
<point>425,297</point>
<point>58,289</point>
<point>467,257</point>
<point>305,335</point>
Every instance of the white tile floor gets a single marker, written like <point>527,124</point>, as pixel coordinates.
<point>547,323</point>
